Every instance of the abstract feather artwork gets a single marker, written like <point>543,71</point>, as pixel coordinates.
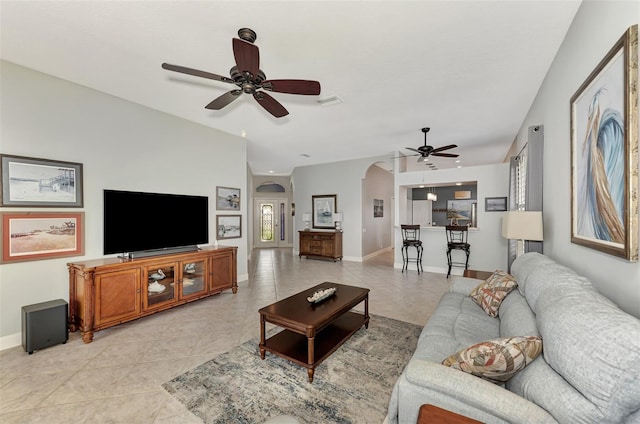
<point>604,142</point>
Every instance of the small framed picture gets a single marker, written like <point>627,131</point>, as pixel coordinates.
<point>228,226</point>
<point>36,182</point>
<point>227,199</point>
<point>29,236</point>
<point>495,204</point>
<point>378,208</point>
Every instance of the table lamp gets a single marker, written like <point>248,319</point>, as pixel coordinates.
<point>521,226</point>
<point>337,219</point>
<point>306,217</point>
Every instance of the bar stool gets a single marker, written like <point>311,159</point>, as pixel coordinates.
<point>411,238</point>
<point>457,240</point>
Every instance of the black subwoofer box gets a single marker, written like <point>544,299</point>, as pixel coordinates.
<point>44,324</point>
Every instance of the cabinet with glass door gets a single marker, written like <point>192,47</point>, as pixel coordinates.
<point>193,279</point>
<point>159,287</point>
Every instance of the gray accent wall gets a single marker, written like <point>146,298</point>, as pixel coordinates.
<point>596,28</point>
<point>122,146</point>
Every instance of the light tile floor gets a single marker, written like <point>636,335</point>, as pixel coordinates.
<point>117,378</point>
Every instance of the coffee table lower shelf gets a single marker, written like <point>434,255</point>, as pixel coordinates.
<point>295,347</point>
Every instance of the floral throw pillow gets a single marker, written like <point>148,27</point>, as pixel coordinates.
<point>496,360</point>
<point>490,294</point>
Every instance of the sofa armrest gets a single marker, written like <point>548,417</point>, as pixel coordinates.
<point>465,394</point>
<point>463,285</point>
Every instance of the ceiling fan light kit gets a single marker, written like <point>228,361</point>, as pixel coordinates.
<point>250,79</point>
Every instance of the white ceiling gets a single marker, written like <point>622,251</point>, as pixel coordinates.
<point>467,69</point>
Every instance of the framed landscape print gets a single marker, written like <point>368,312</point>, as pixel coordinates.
<point>324,206</point>
<point>604,153</point>
<point>495,204</point>
<point>228,226</point>
<point>28,236</point>
<point>32,182</point>
<point>459,210</point>
<point>227,199</point>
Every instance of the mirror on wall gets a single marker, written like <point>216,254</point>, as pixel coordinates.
<point>444,204</point>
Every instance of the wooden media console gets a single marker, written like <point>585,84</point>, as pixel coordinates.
<point>108,292</point>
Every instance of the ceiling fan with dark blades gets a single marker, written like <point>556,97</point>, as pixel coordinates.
<point>424,151</point>
<point>249,79</point>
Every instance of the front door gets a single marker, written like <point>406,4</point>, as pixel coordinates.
<point>271,222</point>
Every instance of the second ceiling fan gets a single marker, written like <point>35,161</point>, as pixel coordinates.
<point>424,151</point>
<point>250,79</point>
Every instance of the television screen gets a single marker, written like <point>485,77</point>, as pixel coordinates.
<point>136,221</point>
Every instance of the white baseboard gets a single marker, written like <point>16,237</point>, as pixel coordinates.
<point>10,341</point>
<point>377,253</point>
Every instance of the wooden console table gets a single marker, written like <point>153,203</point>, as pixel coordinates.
<point>110,291</point>
<point>321,244</point>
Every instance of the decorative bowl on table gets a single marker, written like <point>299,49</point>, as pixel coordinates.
<point>320,295</point>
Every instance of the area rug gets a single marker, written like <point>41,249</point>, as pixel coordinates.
<point>353,385</point>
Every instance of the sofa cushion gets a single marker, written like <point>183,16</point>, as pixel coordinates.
<point>516,317</point>
<point>456,323</point>
<point>544,274</point>
<point>496,360</point>
<point>595,347</point>
<point>592,348</point>
<point>490,293</point>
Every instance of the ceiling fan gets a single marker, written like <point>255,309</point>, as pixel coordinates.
<point>423,152</point>
<point>250,79</point>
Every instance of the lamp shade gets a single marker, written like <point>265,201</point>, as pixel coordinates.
<point>306,216</point>
<point>462,194</point>
<point>522,225</point>
<point>337,217</point>
<point>432,196</point>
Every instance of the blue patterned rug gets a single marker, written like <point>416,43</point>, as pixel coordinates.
<point>353,385</point>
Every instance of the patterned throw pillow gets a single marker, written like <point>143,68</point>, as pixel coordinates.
<point>496,360</point>
<point>490,294</point>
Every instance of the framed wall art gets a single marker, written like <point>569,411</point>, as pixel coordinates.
<point>324,206</point>
<point>459,210</point>
<point>28,236</point>
<point>378,208</point>
<point>495,204</point>
<point>604,153</point>
<point>32,182</point>
<point>228,226</point>
<point>227,199</point>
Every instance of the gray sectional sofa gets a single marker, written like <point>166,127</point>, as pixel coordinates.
<point>588,372</point>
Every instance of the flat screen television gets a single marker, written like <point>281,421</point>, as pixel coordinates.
<point>153,222</point>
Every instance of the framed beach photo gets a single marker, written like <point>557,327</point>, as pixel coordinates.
<point>495,204</point>
<point>28,236</point>
<point>227,199</point>
<point>324,206</point>
<point>604,153</point>
<point>32,182</point>
<point>228,226</point>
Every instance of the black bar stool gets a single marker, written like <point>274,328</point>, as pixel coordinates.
<point>457,240</point>
<point>411,238</point>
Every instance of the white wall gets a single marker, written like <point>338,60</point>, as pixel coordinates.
<point>596,28</point>
<point>344,179</point>
<point>377,235</point>
<point>488,248</point>
<point>121,145</point>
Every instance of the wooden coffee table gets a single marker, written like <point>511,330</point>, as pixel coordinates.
<point>313,331</point>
